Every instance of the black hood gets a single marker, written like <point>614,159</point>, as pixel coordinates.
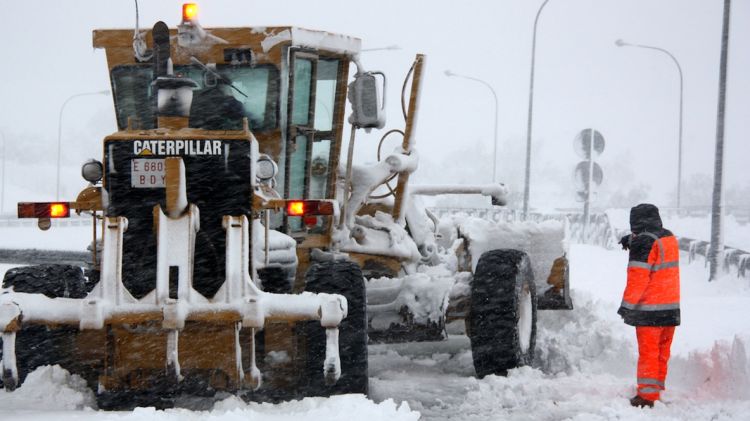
<point>644,217</point>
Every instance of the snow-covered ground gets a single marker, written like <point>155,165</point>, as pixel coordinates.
<point>584,370</point>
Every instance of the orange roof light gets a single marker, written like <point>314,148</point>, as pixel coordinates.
<point>295,208</point>
<point>189,11</point>
<point>59,210</point>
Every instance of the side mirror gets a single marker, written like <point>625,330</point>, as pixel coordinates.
<point>368,111</point>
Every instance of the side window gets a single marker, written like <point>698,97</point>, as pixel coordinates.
<point>303,69</point>
<point>131,88</point>
<point>325,94</point>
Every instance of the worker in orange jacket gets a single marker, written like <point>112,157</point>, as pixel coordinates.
<point>651,301</point>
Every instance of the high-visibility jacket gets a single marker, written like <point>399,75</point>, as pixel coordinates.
<point>652,293</point>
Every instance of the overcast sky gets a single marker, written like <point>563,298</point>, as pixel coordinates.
<point>582,80</point>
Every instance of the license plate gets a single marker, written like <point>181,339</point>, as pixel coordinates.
<point>147,173</point>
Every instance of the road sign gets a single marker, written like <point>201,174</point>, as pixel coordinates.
<point>581,175</point>
<point>582,143</point>
<point>589,144</point>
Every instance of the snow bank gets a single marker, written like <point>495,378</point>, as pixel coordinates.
<point>582,340</point>
<point>587,342</point>
<point>49,392</point>
<point>722,372</point>
<point>50,388</point>
<point>332,409</point>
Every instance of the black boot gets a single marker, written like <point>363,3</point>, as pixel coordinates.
<point>641,402</point>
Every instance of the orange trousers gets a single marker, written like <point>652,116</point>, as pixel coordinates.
<point>654,343</point>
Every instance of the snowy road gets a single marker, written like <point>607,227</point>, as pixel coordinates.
<point>584,370</point>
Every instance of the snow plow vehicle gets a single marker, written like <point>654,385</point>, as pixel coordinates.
<point>239,253</point>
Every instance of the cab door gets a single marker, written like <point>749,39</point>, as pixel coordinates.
<point>315,119</point>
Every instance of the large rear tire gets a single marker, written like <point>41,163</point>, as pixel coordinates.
<point>38,345</point>
<point>502,320</point>
<point>345,278</point>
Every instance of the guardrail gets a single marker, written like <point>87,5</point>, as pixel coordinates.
<point>11,221</point>
<point>602,233</point>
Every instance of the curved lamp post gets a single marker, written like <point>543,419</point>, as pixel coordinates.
<point>527,174</point>
<point>621,43</point>
<point>59,133</point>
<point>494,95</point>
<point>388,47</point>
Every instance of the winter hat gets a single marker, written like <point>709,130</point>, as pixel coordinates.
<point>644,217</point>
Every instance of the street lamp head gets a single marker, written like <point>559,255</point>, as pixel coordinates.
<point>621,43</point>
<point>449,73</point>
<point>104,92</point>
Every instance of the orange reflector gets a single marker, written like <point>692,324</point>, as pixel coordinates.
<point>44,210</point>
<point>189,11</point>
<point>59,210</point>
<point>295,208</point>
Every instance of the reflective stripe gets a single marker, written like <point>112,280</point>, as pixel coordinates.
<point>648,390</point>
<point>654,268</point>
<point>637,264</point>
<point>650,307</point>
<point>667,265</point>
<point>650,381</point>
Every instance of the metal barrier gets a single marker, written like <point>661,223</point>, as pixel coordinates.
<point>602,233</point>
<point>11,221</point>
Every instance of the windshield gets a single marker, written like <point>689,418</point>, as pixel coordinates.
<point>217,104</point>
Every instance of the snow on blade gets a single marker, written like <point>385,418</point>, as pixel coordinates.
<point>47,388</point>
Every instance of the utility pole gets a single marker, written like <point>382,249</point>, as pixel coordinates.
<point>716,253</point>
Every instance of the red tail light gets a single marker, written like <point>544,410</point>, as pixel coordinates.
<point>44,210</point>
<point>309,207</point>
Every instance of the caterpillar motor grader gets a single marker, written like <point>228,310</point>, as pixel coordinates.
<point>235,241</point>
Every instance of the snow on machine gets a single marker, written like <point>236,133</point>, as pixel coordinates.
<point>240,253</point>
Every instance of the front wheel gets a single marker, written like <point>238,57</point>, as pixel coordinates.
<point>338,277</point>
<point>502,320</point>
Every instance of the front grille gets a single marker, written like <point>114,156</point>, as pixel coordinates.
<point>218,182</point>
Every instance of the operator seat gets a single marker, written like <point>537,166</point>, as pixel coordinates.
<point>214,107</point>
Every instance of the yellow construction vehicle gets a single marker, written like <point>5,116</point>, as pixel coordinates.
<point>235,241</point>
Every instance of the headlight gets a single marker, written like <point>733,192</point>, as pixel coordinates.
<point>266,169</point>
<point>92,171</point>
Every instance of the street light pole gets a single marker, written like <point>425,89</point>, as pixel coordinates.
<point>59,133</point>
<point>621,43</point>
<point>527,174</point>
<point>494,96</point>
<point>716,251</point>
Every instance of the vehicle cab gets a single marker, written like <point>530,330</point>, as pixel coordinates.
<point>289,84</point>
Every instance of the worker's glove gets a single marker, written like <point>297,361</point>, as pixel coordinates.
<point>625,242</point>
